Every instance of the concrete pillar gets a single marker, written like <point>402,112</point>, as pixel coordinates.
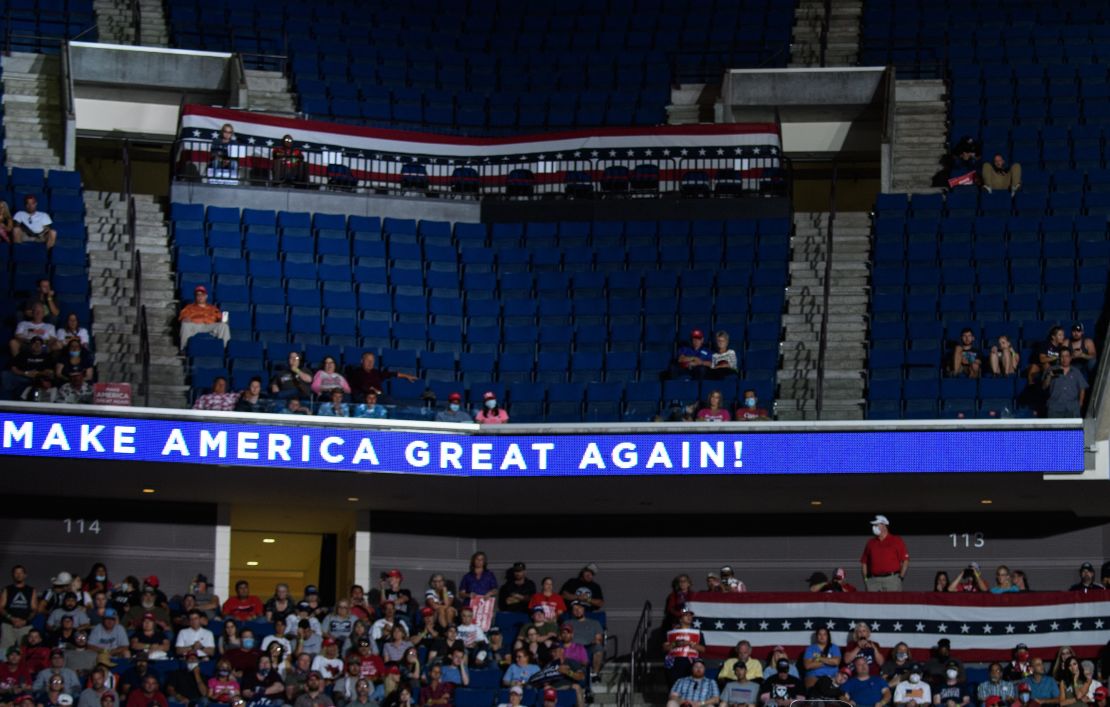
<point>221,575</point>
<point>361,573</point>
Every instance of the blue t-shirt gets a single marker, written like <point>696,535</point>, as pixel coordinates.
<point>702,353</point>
<point>1000,590</point>
<point>1046,689</point>
<point>814,651</point>
<point>866,693</point>
<point>478,585</point>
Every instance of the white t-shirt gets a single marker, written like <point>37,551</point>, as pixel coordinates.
<point>918,692</point>
<point>472,634</point>
<point>187,637</point>
<point>27,330</point>
<point>35,222</point>
<point>330,668</point>
<point>61,334</point>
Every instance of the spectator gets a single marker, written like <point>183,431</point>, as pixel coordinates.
<point>1020,666</point>
<point>694,690</point>
<point>740,691</point>
<point>244,606</point>
<point>865,689</point>
<point>473,637</point>
<point>885,559</point>
<point>296,678</point>
<point>389,589</point>
<point>1042,688</point>
<point>223,687</point>
<point>455,670</point>
<point>277,645</point>
<point>199,317</point>
<point>43,293</point>
<point>996,175</point>
<point>251,399</point>
<point>7,225</point>
<point>27,330</point>
<point>967,360</point>
<point>441,599</point>
<point>399,644</point>
<point>362,697</point>
<point>546,629</point>
<point>328,663</point>
<point>33,225</point>
<point>584,588</point>
<point>914,692</point>
<point>684,645</point>
<point>291,380</point>
<point>1047,354</point>
<point>1063,653</point>
<point>18,601</point>
<point>110,636</point>
<point>822,658</point>
<point>92,695</point>
<point>223,156</point>
<point>1021,581</point>
<point>314,694</point>
<point>244,657</point>
<point>207,601</point>
<point>437,693</point>
<point>1067,388</point>
<point>730,582</point>
<point>454,411</point>
<point>862,645</point>
<point>195,640</point>
<point>287,164</point>
<point>714,412</point>
<point>1083,353</point>
<point>552,603</point>
<point>57,670</point>
<point>151,639</point>
<point>345,688</point>
<point>479,581</point>
<point>694,360</point>
<point>68,608</point>
<point>76,390</point>
<point>1086,581</point>
<point>516,695</point>
<point>328,378</point>
<point>817,581</point>
<point>941,581</point>
<point>294,407</point>
<point>723,362</point>
<point>36,654</point>
<point>427,631</point>
<point>897,670</point>
<point>14,675</point>
<point>186,684</point>
<point>370,666</point>
<point>335,407</point>
<point>1003,582</point>
<point>381,629</point>
<point>263,682</point>
<point>995,686</point>
<point>369,408</point>
<point>1005,360</point>
<point>54,693</point>
<point>970,579</point>
<point>367,377</point>
<point>572,649</point>
<point>681,587</point>
<point>781,687</point>
<point>491,414</point>
<point>952,691</point>
<point>218,399</point>
<point>517,590</point>
<point>830,688</point>
<point>562,673</point>
<point>965,162</point>
<point>589,633</point>
<point>339,623</point>
<point>71,331</point>
<point>743,657</point>
<point>750,409</point>
<point>839,582</point>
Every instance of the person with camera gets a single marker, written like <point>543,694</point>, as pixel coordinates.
<point>1066,388</point>
<point>970,579</point>
<point>1046,354</point>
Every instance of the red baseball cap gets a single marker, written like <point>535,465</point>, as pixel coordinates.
<point>489,395</point>
<point>329,641</point>
<point>148,615</point>
<point>697,334</point>
<point>550,695</point>
<point>454,398</point>
<point>200,288</point>
<point>427,611</point>
<point>152,580</point>
<point>395,573</point>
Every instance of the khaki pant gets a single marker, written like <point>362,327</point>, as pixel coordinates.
<point>220,330</point>
<point>11,636</point>
<point>893,583</point>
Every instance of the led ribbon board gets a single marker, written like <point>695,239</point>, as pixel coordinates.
<point>464,454</point>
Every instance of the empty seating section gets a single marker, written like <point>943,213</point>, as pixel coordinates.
<point>492,67</point>
<point>575,320</point>
<point>41,25</point>
<point>978,261</point>
<point>22,265</point>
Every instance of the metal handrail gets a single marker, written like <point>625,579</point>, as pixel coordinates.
<point>825,32</point>
<point>144,349</point>
<point>637,659</point>
<point>823,342</point>
<point>137,22</point>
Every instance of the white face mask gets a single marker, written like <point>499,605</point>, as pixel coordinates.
<point>914,677</point>
<point>491,404</point>
<point>952,674</point>
<point>902,655</point>
<point>1024,697</point>
<point>876,529</point>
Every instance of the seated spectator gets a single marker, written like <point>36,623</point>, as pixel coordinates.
<point>743,658</point>
<point>694,360</point>
<point>30,328</point>
<point>263,682</point>
<point>218,398</point>
<point>713,412</point>
<point>1005,359</point>
<point>952,691</point>
<point>195,641</point>
<point>73,359</point>
<point>328,378</point>
<point>573,650</point>
<point>335,407</point>
<point>437,693</point>
<point>1047,354</point>
<point>1020,666</point>
<point>33,225</point>
<point>367,377</point>
<point>514,594</point>
<point>223,157</point>
<point>1083,356</point>
<point>31,376</point>
<point>251,399</point>
<point>7,225</point>
<point>730,582</point>
<point>1042,687</point>
<point>724,363</point>
<point>897,670</point>
<point>202,317</point>
<point>516,697</point>
<point>292,380</point>
<point>222,687</point>
<point>750,409</point>
<point>830,688</point>
<point>1086,581</point>
<point>491,414</point>
<point>328,663</point>
<point>861,643</point>
<point>996,175</point>
<point>969,580</point>
<point>964,170</point>
<point>294,407</point>
<point>819,582</point>
<point>454,411</point>
<point>822,658</point>
<point>370,408</point>
<point>394,650</point>
<point>995,686</point>
<point>109,636</point>
<point>588,632</point>
<point>967,360</point>
<point>288,164</point>
<point>151,639</point>
<point>244,606</point>
<point>43,293</point>
<point>781,687</point>
<point>97,693</point>
<point>1004,582</point>
<point>913,691</point>
<point>71,331</point>
<point>1066,387</point>
<point>339,623</point>
<point>865,689</point>
<point>584,588</point>
<point>740,691</point>
<point>14,675</point>
<point>57,670</point>
<point>562,673</point>
<point>69,608</point>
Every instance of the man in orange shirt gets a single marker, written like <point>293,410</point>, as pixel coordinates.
<point>885,559</point>
<point>201,317</point>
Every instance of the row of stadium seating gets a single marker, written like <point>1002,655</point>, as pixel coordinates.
<point>41,25</point>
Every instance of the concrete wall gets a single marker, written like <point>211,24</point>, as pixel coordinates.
<point>130,66</point>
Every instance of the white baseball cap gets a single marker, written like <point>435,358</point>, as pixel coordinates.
<point>880,520</point>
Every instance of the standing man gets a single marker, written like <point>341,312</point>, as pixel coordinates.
<point>17,607</point>
<point>1067,388</point>
<point>885,560</point>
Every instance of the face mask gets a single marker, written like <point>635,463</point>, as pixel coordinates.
<point>248,643</point>
<point>264,673</point>
<point>750,402</point>
<point>192,666</point>
<point>100,577</point>
<point>914,677</point>
<point>125,587</point>
<point>491,404</point>
<point>875,530</point>
<point>903,656</point>
<point>1024,697</point>
<point>952,674</point>
<point>454,407</point>
<point>225,673</point>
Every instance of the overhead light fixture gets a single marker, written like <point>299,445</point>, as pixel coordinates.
<point>986,501</point>
<point>148,490</point>
<point>252,563</point>
<point>815,503</point>
<point>352,499</point>
<point>269,541</point>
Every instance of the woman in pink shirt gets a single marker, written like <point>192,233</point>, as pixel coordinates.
<point>490,413</point>
<point>714,413</point>
<point>327,378</point>
<point>222,686</point>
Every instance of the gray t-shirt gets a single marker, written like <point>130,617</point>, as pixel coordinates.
<point>321,700</point>
<point>1063,394</point>
<point>81,660</point>
<point>91,698</point>
<point>80,618</point>
<point>585,631</point>
<point>101,637</point>
<point>740,693</point>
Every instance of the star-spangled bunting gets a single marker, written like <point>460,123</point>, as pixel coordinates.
<point>984,628</point>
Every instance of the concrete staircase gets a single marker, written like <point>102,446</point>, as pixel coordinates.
<point>846,350</point>
<point>268,92</point>
<point>34,118</point>
<point>920,134</point>
<point>113,21</point>
<point>115,314</point>
<point>155,32</point>
<point>843,39</point>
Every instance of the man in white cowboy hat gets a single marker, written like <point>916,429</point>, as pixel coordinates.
<point>885,559</point>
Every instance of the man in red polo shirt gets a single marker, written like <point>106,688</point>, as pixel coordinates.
<point>885,560</point>
<point>244,606</point>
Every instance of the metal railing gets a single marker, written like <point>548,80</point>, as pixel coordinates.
<point>600,174</point>
<point>137,22</point>
<point>136,271</point>
<point>823,342</point>
<point>638,665</point>
<point>825,32</point>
